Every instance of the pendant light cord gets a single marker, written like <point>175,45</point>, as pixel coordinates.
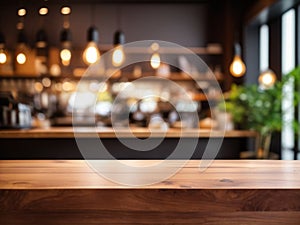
<point>66,21</point>
<point>93,15</point>
<point>118,10</point>
<point>1,22</point>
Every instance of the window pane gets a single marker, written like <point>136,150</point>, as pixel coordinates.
<point>288,63</point>
<point>288,41</point>
<point>264,48</point>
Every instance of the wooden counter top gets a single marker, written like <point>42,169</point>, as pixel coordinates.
<point>85,132</point>
<point>228,192</point>
<point>222,174</point>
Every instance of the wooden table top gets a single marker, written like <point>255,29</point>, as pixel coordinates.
<point>221,174</point>
<point>106,132</point>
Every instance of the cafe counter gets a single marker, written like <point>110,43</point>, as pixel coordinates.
<point>108,132</point>
<point>60,142</point>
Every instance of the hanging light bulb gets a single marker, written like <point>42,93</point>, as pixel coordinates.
<point>267,79</point>
<point>3,57</point>
<point>21,58</point>
<point>66,37</point>
<point>65,10</point>
<point>155,58</point>
<point>22,48</point>
<point>65,52</point>
<point>155,61</point>
<point>118,56</point>
<point>91,53</point>
<point>65,56</point>
<point>41,36</point>
<point>21,12</point>
<point>43,11</point>
<point>3,53</point>
<point>237,67</point>
<point>41,39</point>
<point>41,45</point>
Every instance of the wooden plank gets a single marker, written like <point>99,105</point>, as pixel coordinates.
<point>154,200</point>
<point>108,217</point>
<point>150,206</point>
<point>228,192</point>
<point>85,132</point>
<point>221,174</point>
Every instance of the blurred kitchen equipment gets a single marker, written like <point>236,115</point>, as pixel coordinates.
<point>13,115</point>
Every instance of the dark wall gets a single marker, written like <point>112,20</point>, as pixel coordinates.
<point>251,52</point>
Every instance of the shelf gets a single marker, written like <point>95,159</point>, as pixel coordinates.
<point>123,77</point>
<point>173,77</point>
<point>108,132</point>
<point>202,97</point>
<point>210,49</point>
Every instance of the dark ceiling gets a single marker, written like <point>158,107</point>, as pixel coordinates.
<point>22,2</point>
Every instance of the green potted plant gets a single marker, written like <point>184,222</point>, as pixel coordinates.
<point>260,109</point>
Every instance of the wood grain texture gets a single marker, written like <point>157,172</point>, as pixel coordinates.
<point>68,132</point>
<point>228,192</point>
<point>147,217</point>
<point>220,174</point>
<point>149,207</point>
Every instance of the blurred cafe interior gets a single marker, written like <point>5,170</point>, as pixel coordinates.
<point>149,112</point>
<point>197,67</point>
